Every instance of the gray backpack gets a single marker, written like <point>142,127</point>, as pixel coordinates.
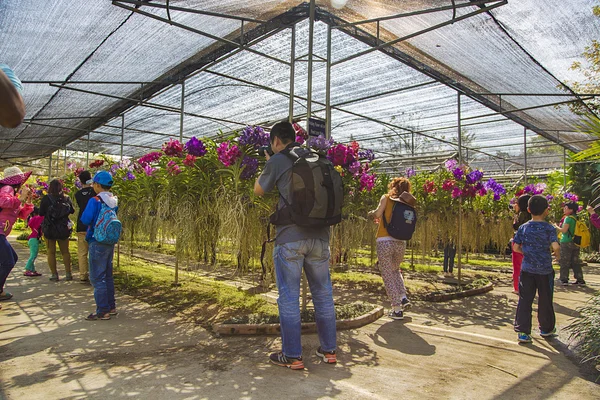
<point>316,191</point>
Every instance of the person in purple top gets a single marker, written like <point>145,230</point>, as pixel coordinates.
<point>594,217</point>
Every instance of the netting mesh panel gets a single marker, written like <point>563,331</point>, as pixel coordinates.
<point>102,42</point>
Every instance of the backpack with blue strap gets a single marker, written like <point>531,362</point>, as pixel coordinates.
<point>108,228</point>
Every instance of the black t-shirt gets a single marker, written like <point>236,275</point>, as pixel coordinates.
<point>82,197</point>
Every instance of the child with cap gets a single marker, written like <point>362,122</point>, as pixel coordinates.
<point>568,249</point>
<point>34,222</point>
<point>15,202</point>
<point>534,239</point>
<point>100,254</point>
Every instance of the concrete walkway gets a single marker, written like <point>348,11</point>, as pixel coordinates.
<point>462,349</point>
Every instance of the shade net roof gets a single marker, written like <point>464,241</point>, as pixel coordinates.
<point>107,79</point>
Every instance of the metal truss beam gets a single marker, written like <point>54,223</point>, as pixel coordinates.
<point>167,6</point>
<point>453,7</point>
<point>412,62</point>
<point>422,31</point>
<point>199,32</point>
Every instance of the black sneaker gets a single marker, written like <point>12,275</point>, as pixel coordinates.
<point>397,314</point>
<point>406,304</point>
<point>564,283</point>
<point>289,362</point>
<point>579,282</point>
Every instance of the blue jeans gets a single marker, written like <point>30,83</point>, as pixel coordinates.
<point>8,259</point>
<point>101,276</point>
<point>289,259</point>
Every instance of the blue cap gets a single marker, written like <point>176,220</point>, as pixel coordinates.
<point>103,178</point>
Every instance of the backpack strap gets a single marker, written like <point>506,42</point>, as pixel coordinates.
<point>385,223</point>
<point>263,251</point>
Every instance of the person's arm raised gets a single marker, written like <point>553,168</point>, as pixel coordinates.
<point>12,107</point>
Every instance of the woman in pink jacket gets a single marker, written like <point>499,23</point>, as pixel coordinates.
<point>15,202</point>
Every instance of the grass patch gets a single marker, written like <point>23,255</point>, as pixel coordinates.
<point>202,300</point>
<point>198,299</point>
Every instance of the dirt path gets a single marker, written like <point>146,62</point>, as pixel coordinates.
<point>458,350</point>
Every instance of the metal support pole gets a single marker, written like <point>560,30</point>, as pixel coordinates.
<point>412,149</point>
<point>292,74</point>
<point>328,86</point>
<point>311,33</point>
<point>49,167</point>
<point>122,133</point>
<point>525,154</point>
<point>565,168</point>
<point>182,111</point>
<point>65,166</point>
<point>460,161</point>
<point>87,152</point>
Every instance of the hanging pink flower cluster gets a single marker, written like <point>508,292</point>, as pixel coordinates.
<point>173,148</point>
<point>96,163</point>
<point>301,134</point>
<point>173,168</point>
<point>571,197</point>
<point>367,182</point>
<point>149,158</point>
<point>342,155</point>
<point>148,170</point>
<point>228,153</point>
<point>467,183</point>
<point>190,160</point>
<point>429,187</point>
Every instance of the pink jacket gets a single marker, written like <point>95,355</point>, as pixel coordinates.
<point>11,209</point>
<point>35,224</point>
<point>595,220</point>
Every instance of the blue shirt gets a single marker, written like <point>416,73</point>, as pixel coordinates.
<point>536,238</point>
<point>90,216</point>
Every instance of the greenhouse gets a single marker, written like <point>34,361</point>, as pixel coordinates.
<point>473,102</point>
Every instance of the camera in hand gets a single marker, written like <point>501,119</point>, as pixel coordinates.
<point>265,149</point>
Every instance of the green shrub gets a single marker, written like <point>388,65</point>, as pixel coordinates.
<point>23,236</point>
<point>585,331</point>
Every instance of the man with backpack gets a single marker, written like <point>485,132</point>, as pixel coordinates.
<point>294,169</point>
<point>56,207</point>
<point>104,230</point>
<point>82,197</point>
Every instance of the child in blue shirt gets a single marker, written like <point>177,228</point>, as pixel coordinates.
<point>534,239</point>
<point>100,254</point>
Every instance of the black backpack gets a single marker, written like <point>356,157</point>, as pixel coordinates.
<point>316,192</point>
<point>403,221</point>
<point>56,225</point>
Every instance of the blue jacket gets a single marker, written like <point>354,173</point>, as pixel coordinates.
<point>92,210</point>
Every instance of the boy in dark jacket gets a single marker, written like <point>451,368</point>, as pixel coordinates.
<point>100,255</point>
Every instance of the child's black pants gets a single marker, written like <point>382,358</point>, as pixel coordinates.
<point>528,284</point>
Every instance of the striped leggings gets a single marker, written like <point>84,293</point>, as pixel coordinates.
<point>390,254</point>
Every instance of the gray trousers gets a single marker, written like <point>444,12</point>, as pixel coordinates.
<point>569,259</point>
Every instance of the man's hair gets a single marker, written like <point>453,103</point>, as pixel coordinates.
<point>84,177</point>
<point>284,131</point>
<point>537,204</point>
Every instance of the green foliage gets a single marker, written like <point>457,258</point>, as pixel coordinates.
<point>585,330</point>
